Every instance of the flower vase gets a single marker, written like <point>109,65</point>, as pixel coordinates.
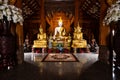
<point>7,46</point>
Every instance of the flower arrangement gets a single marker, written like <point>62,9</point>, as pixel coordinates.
<point>113,13</point>
<point>11,12</point>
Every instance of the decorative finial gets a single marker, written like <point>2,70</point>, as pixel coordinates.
<point>78,26</point>
<point>40,27</point>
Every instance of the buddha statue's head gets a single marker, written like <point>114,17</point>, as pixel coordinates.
<point>60,22</point>
<point>41,29</point>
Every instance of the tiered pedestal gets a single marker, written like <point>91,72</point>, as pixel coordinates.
<point>79,45</point>
<point>39,46</point>
<point>59,44</point>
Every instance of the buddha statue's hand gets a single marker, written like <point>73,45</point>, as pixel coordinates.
<point>54,37</point>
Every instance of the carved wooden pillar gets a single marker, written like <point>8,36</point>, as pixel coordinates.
<point>42,15</point>
<point>20,52</point>
<point>104,30</point>
<point>19,34</point>
<point>105,36</point>
<point>76,12</point>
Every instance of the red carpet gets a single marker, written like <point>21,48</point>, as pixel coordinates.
<point>57,57</point>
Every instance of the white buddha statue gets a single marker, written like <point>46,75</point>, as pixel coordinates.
<point>60,36</point>
<point>59,30</point>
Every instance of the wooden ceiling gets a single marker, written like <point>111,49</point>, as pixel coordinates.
<point>90,7</point>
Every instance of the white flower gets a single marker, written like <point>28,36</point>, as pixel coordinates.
<point>11,12</point>
<point>1,15</point>
<point>113,13</point>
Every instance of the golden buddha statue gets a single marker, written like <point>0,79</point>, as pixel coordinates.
<point>41,35</point>
<point>78,41</point>
<point>78,35</point>
<point>41,39</point>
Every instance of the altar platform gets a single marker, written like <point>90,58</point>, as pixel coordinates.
<point>55,50</point>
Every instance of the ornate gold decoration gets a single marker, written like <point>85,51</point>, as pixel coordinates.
<point>41,41</point>
<point>78,41</point>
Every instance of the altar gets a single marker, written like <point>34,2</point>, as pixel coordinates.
<point>59,45</point>
<point>62,43</point>
<point>60,40</point>
<point>40,45</point>
<point>78,41</point>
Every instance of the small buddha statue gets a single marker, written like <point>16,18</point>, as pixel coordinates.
<point>41,35</point>
<point>69,38</point>
<point>59,31</point>
<point>41,39</point>
<point>78,41</point>
<point>78,35</point>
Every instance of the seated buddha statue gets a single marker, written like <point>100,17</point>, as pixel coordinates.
<point>41,35</point>
<point>41,39</point>
<point>78,40</point>
<point>60,36</point>
<point>78,35</point>
<point>59,31</point>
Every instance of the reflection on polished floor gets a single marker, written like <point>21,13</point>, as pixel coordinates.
<point>88,68</point>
